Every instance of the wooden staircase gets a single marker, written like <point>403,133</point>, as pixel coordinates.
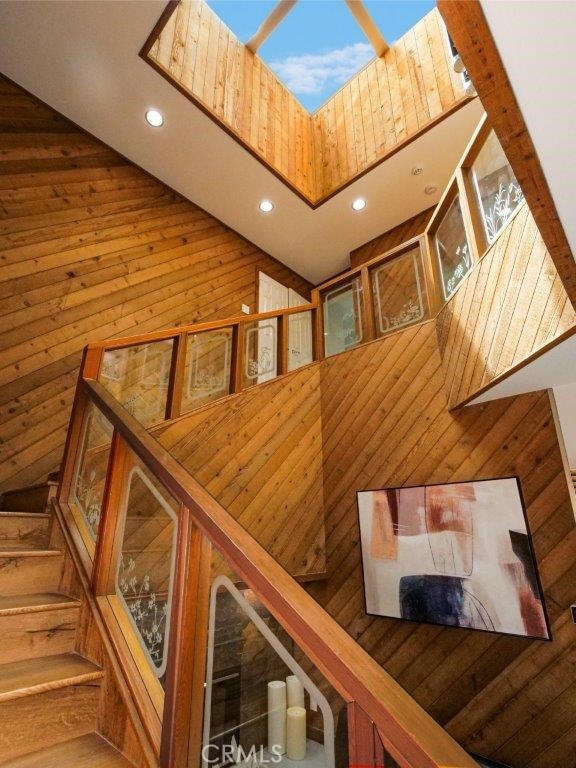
<point>51,695</point>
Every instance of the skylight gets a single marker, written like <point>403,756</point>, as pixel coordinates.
<point>319,45</point>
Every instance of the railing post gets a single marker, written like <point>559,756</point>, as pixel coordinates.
<point>176,381</point>
<point>89,369</point>
<point>361,750</point>
<point>317,326</point>
<point>185,675</point>
<point>283,331</point>
<point>109,541</point>
<point>368,304</point>
<point>238,341</point>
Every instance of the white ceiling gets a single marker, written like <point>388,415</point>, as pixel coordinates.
<point>81,57</point>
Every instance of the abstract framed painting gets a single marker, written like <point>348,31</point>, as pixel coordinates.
<point>456,554</point>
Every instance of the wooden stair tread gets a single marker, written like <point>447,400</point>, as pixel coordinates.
<point>91,751</point>
<point>13,551</point>
<point>36,601</point>
<point>27,515</point>
<point>25,678</point>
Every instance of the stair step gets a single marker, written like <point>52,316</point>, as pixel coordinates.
<point>90,750</point>
<point>23,530</point>
<point>29,677</point>
<point>37,625</point>
<point>31,570</point>
<point>11,605</point>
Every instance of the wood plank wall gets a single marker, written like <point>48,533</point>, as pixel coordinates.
<point>385,423</point>
<point>259,454</point>
<point>235,87</point>
<point>511,306</point>
<point>387,104</point>
<point>471,34</point>
<point>92,247</point>
<point>394,237</point>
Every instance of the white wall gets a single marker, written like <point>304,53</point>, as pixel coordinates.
<point>565,397</point>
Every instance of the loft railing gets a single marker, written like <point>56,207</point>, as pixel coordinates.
<point>179,581</point>
<point>167,374</point>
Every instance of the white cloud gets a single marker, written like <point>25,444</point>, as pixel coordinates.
<point>314,72</point>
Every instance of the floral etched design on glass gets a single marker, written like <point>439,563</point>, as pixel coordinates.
<point>207,371</point>
<point>90,473</point>
<point>452,248</point>
<point>398,292</point>
<point>497,188</point>
<point>260,352</point>
<point>299,340</point>
<point>145,573</point>
<point>343,326</point>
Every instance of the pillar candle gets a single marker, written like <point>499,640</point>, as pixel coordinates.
<point>296,733</point>
<point>277,716</point>
<point>294,692</point>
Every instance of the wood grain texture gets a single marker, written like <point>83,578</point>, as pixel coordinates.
<point>467,680</point>
<point>91,248</point>
<point>260,455</point>
<point>31,676</point>
<point>511,306</point>
<point>36,634</point>
<point>471,34</point>
<point>384,106</point>
<point>89,751</point>
<point>390,239</point>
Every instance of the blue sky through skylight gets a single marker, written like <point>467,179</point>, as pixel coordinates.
<point>318,46</point>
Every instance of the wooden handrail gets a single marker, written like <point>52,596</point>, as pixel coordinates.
<point>406,727</point>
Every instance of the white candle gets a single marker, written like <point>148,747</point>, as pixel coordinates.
<point>277,716</point>
<point>294,692</point>
<point>296,733</point>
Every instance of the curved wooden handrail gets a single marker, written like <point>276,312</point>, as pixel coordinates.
<point>410,731</point>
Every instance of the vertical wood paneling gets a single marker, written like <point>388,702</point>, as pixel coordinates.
<point>260,455</point>
<point>385,423</point>
<point>387,103</point>
<point>91,247</point>
<point>512,305</point>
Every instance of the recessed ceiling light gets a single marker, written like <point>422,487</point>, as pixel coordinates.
<point>359,204</point>
<point>266,206</point>
<point>154,118</point>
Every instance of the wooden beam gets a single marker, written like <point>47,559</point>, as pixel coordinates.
<point>366,23</point>
<point>269,24</point>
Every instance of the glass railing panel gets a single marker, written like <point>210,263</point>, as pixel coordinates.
<point>265,701</point>
<point>138,377</point>
<point>260,352</point>
<point>145,568</point>
<point>207,369</point>
<point>299,340</point>
<point>343,318</point>
<point>497,188</point>
<point>452,248</point>
<point>399,292</point>
<point>87,489</point>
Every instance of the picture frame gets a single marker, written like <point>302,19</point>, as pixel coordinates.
<point>453,554</point>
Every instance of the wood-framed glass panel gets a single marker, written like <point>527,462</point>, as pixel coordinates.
<point>399,291</point>
<point>343,317</point>
<point>452,248</point>
<point>260,361</point>
<point>207,369</point>
<point>497,190</point>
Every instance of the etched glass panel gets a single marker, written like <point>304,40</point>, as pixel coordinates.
<point>343,324</point>
<point>90,473</point>
<point>399,292</point>
<point>265,703</point>
<point>260,352</point>
<point>299,340</point>
<point>146,565</point>
<point>498,191</point>
<point>138,377</point>
<point>452,248</point>
<point>207,371</point>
